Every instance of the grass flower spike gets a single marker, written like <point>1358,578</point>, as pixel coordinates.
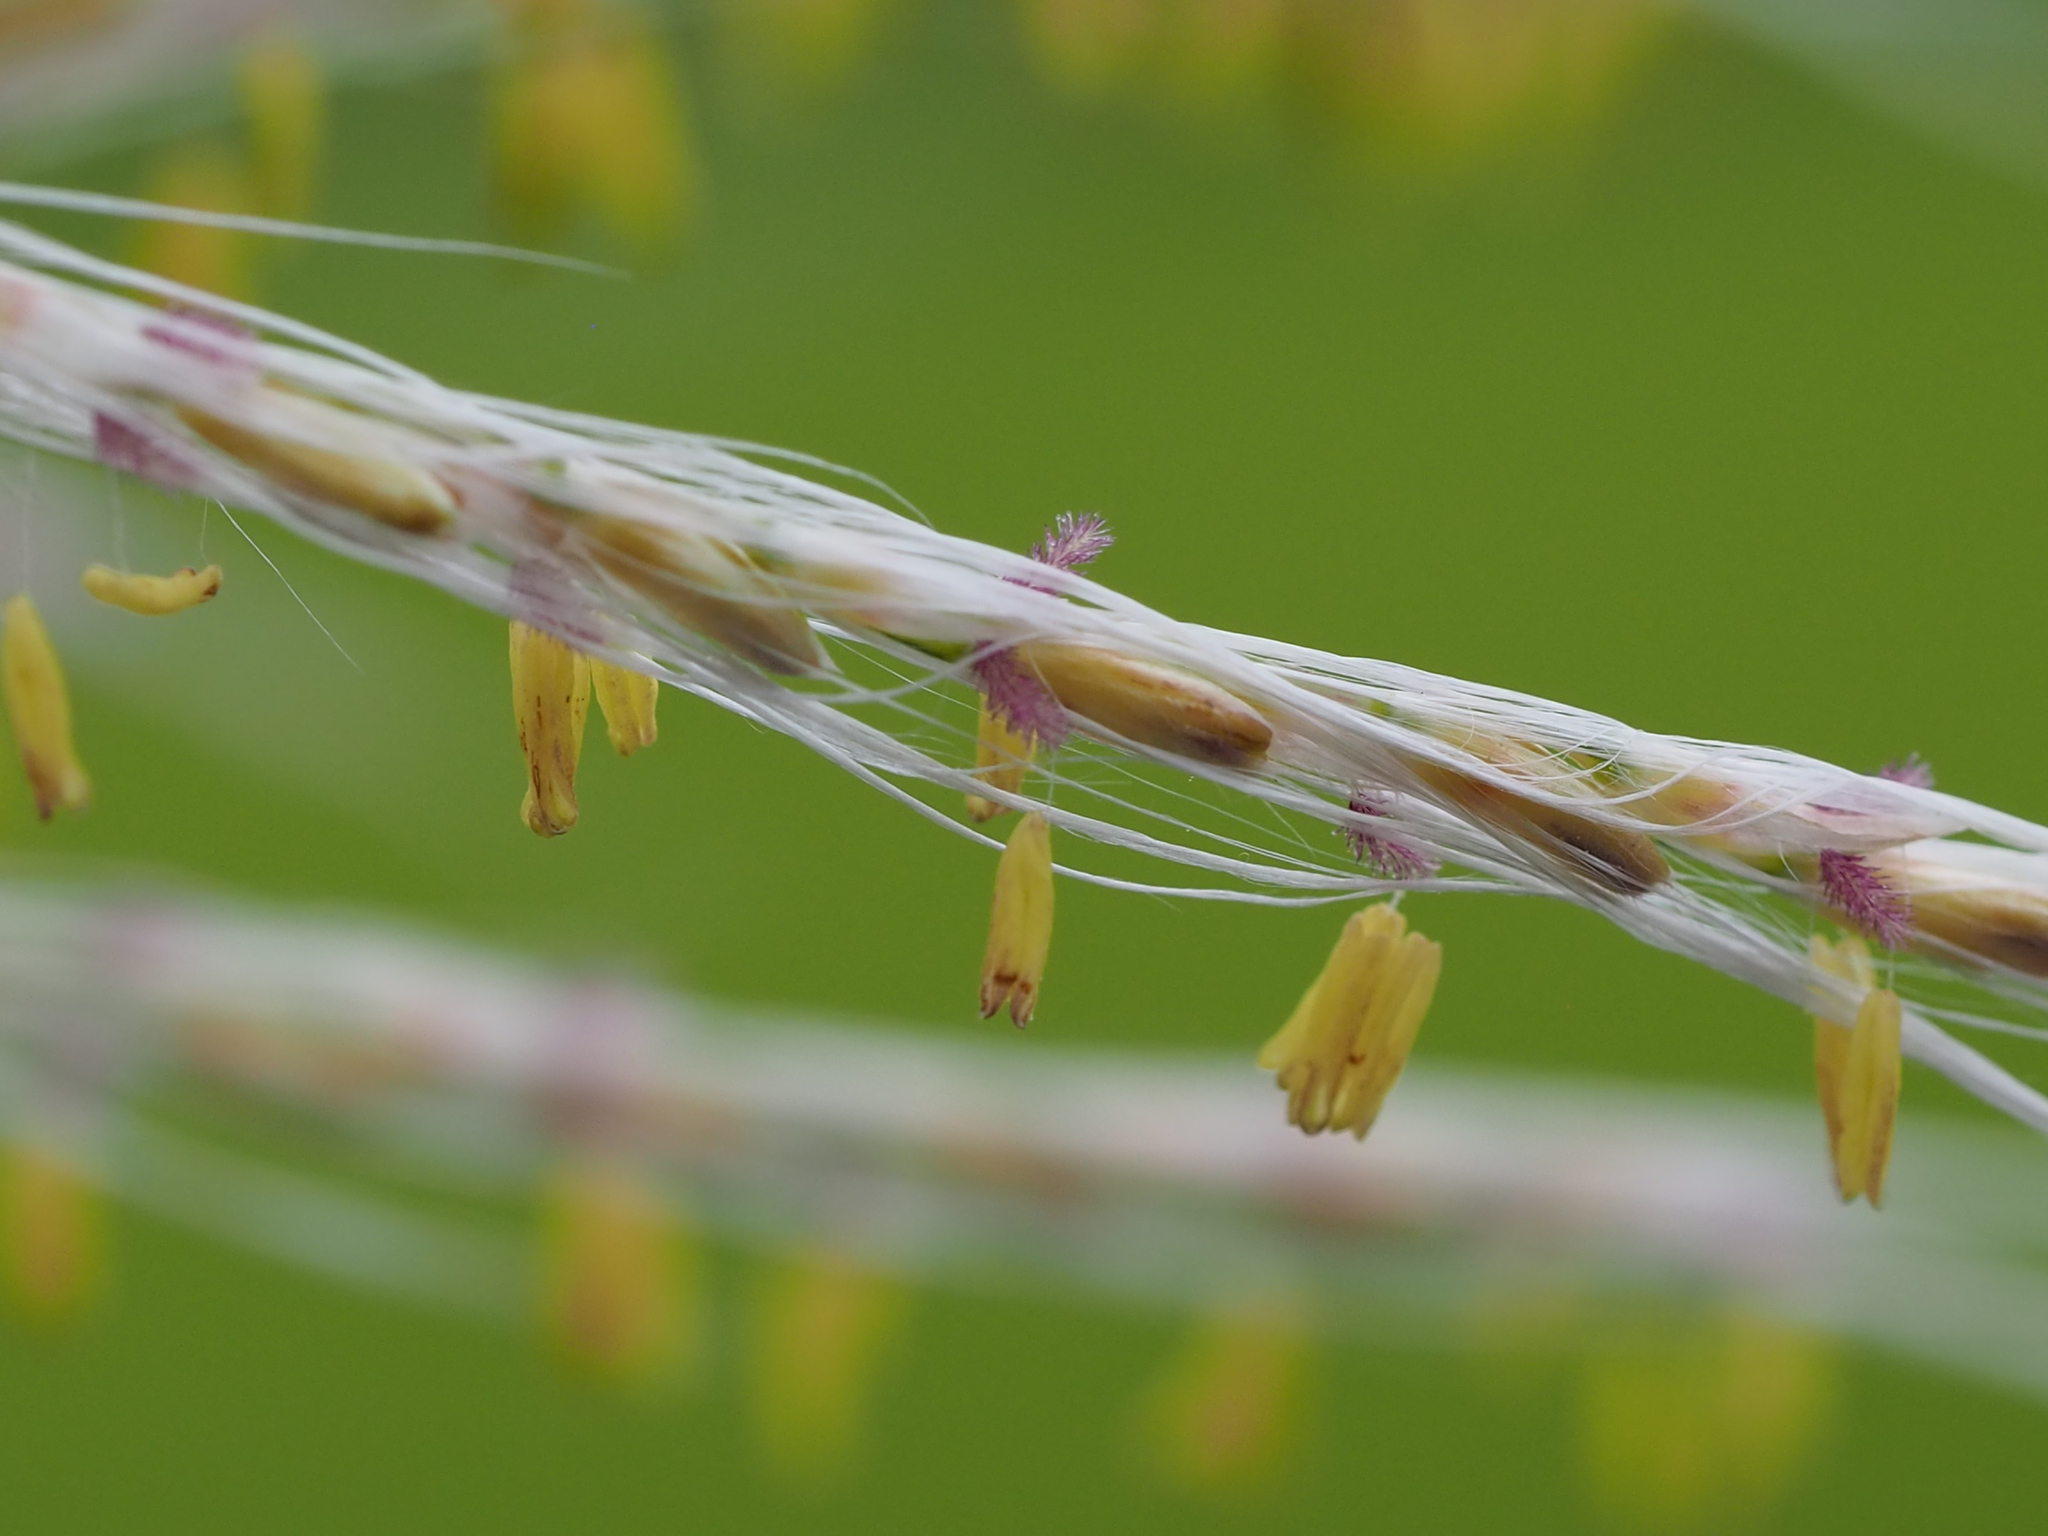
<point>550,697</point>
<point>1020,926</point>
<point>39,710</point>
<point>939,670</point>
<point>1339,1053</point>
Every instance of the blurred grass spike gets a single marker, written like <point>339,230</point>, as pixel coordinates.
<point>51,1238</point>
<point>1340,1052</point>
<point>627,700</point>
<point>284,102</point>
<point>618,1275</point>
<point>822,1324</point>
<point>1020,923</point>
<point>152,596</point>
<point>1227,1412</point>
<point>1856,1069</point>
<point>39,710</point>
<point>550,698</point>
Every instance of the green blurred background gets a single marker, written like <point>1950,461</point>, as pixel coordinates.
<point>1665,380</point>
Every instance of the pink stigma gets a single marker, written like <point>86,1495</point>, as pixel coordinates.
<point>1862,895</point>
<point>1018,699</point>
<point>1074,541</point>
<point>1912,769</point>
<point>1386,857</point>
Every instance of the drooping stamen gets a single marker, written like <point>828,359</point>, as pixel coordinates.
<point>152,596</point>
<point>1339,1053</point>
<point>1858,890</point>
<point>39,710</point>
<point>628,700</point>
<point>1020,925</point>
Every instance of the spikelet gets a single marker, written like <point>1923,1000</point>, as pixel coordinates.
<point>152,596</point>
<point>39,710</point>
<point>550,697</point>
<point>628,700</point>
<point>1020,923</point>
<point>395,493</point>
<point>708,587</point>
<point>1857,1072</point>
<point>1339,1053</point>
<point>1153,705</point>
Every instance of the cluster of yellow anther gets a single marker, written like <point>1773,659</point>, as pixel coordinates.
<point>551,688</point>
<point>1339,1053</point>
<point>1857,1071</point>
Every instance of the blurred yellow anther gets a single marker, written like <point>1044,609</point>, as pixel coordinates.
<point>1020,926</point>
<point>152,595</point>
<point>1857,1072</point>
<point>283,99</point>
<point>1153,705</point>
<point>550,697</point>
<point>1001,757</point>
<point>589,114</point>
<point>616,1274</point>
<point>39,710</point>
<point>1339,1053</point>
<point>1695,1423</point>
<point>1224,1415</point>
<point>818,1338</point>
<point>208,178</point>
<point>627,699</point>
<point>50,1243</point>
<point>396,494</point>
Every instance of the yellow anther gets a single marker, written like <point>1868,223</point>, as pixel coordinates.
<point>39,709</point>
<point>1001,757</point>
<point>285,103</point>
<point>1339,1053</point>
<point>706,586</point>
<point>1857,1072</point>
<point>397,494</point>
<point>50,1243</point>
<point>152,595</point>
<point>550,697</point>
<point>616,1274</point>
<point>1020,926</point>
<point>628,699</point>
<point>1153,705</point>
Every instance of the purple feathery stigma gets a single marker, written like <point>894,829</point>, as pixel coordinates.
<point>1074,541</point>
<point>1859,891</point>
<point>134,452</point>
<point>1911,769</point>
<point>1387,857</point>
<point>1019,699</point>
